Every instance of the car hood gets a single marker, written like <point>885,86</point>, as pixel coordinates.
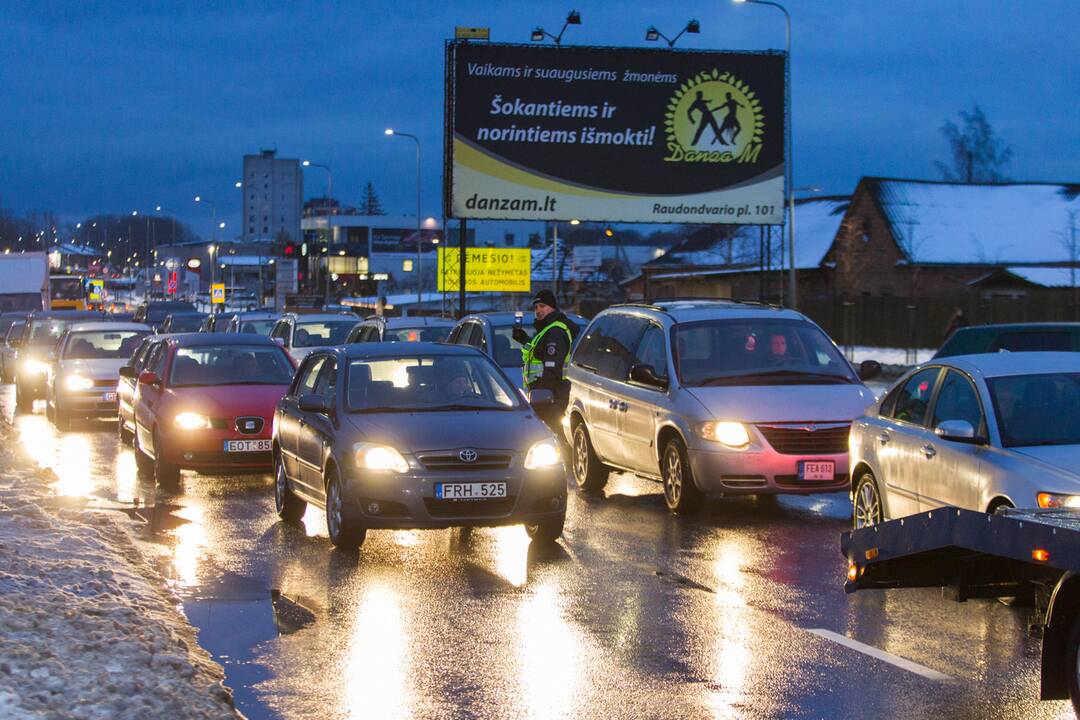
<point>426,431</point>
<point>97,368</point>
<point>227,401</point>
<point>785,403</point>
<point>1065,458</point>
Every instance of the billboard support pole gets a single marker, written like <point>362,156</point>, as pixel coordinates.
<point>462,234</point>
<point>555,256</point>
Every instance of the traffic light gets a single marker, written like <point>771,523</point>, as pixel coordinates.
<point>290,249</point>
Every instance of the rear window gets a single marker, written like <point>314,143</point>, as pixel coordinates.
<point>101,345</point>
<point>323,333</point>
<point>230,365</point>
<point>417,334</point>
<point>972,341</point>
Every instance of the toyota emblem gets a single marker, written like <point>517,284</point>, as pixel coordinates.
<point>467,455</point>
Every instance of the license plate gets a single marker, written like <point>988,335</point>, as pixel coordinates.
<point>247,446</point>
<point>469,491</point>
<point>817,470</point>
<point>108,397</point>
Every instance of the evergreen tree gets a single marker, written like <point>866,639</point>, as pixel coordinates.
<point>370,204</point>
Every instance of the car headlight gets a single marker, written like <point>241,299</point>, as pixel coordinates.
<point>192,421</point>
<point>35,367</point>
<point>732,434</point>
<point>380,458</point>
<point>1053,500</point>
<point>541,455</point>
<point>78,382</point>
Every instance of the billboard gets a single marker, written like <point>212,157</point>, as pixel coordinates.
<point>486,269</point>
<point>542,132</point>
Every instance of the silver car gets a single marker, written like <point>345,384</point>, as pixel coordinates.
<point>414,435</point>
<point>980,432</point>
<point>301,333</point>
<point>85,370</point>
<point>712,397</point>
<point>9,353</point>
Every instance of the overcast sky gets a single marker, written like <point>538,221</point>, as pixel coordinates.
<point>114,105</point>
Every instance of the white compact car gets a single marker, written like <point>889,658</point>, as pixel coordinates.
<point>980,432</point>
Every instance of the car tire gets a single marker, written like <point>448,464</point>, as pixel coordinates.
<point>144,465</point>
<point>122,433</point>
<point>289,507</point>
<point>866,507</point>
<point>681,495</point>
<point>166,475</point>
<point>590,474</point>
<point>345,534</point>
<point>22,403</point>
<point>61,417</point>
<point>546,531</point>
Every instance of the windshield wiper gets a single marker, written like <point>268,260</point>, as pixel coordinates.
<point>738,379</point>
<point>429,408</point>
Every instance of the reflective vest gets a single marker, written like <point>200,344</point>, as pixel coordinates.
<point>533,367</point>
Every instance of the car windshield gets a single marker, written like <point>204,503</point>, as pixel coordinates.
<point>507,350</point>
<point>322,333</point>
<point>230,365</point>
<point>185,323</point>
<point>257,327</point>
<point>428,384</point>
<point>157,313</point>
<point>47,331</point>
<point>1024,403</point>
<point>756,351</point>
<point>14,331</point>
<point>416,334</point>
<point>102,344</point>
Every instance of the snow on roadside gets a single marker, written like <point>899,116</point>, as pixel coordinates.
<point>87,628</point>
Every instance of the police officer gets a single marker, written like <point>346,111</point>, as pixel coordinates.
<point>545,356</point>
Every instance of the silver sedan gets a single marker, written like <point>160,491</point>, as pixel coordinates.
<point>981,432</point>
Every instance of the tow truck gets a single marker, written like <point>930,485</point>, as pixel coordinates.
<point>1033,555</point>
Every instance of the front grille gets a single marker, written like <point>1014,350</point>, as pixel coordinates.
<point>485,460</point>
<point>742,482</point>
<point>793,481</point>
<point>106,383</point>
<point>807,439</point>
<point>249,425</point>
<point>495,507</point>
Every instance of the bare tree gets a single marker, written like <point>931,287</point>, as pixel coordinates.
<point>978,153</point>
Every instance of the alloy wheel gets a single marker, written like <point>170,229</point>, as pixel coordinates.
<point>673,478</point>
<point>867,505</point>
<point>279,488</point>
<point>333,509</point>
<point>581,455</point>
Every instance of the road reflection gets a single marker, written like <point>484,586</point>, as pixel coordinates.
<point>375,684</point>
<point>731,654</point>
<point>512,553</point>
<point>190,545</point>
<point>549,656</point>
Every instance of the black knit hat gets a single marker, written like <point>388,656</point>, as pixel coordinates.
<point>547,297</point>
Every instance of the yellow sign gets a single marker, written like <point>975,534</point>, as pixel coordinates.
<point>472,33</point>
<point>97,289</point>
<point>486,269</point>
<point>217,293</point>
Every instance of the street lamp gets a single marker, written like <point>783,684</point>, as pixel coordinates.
<point>652,34</point>
<point>789,165</point>
<point>419,231</point>
<point>539,33</point>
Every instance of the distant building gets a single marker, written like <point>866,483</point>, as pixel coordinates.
<point>273,191</point>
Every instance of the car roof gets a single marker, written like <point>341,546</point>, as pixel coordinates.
<point>691,310</point>
<point>316,317</point>
<point>107,325</point>
<point>5,315</point>
<point>1021,326</point>
<point>412,349</point>
<point>66,314</point>
<point>255,315</point>
<point>507,317</point>
<point>187,313</point>
<point>214,339</point>
<point>417,321</point>
<point>1001,364</point>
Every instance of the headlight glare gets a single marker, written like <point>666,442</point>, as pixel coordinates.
<point>192,421</point>
<point>1053,500</point>
<point>35,367</point>
<point>732,434</point>
<point>78,382</point>
<point>381,458</point>
<point>541,455</point>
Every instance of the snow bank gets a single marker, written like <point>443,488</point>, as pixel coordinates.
<point>87,627</point>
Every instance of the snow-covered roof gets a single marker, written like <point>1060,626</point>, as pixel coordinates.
<point>936,222</point>
<point>1048,276</point>
<point>817,220</point>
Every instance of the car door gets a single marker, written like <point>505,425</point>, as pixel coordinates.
<point>952,468</point>
<point>902,439</point>
<point>610,356</point>
<point>147,397</point>
<point>315,431</point>
<point>639,404</point>
<point>125,388</point>
<point>290,416</point>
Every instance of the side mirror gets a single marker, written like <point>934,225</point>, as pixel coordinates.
<point>541,397</point>
<point>869,369</point>
<point>127,371</point>
<point>314,404</point>
<point>646,375</point>
<point>956,430</point>
<point>150,378</point>
<point>280,341</point>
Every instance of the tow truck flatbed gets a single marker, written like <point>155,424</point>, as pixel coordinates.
<point>1018,553</point>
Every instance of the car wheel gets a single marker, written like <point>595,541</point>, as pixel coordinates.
<point>681,495</point>
<point>289,507</point>
<point>1072,663</point>
<point>344,533</point>
<point>590,474</point>
<point>999,507</point>
<point>61,417</point>
<point>144,466</point>
<point>22,402</point>
<point>866,509</point>
<point>122,433</point>
<point>548,530</point>
<point>166,475</point>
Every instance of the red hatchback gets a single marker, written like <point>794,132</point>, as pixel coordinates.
<point>205,402</point>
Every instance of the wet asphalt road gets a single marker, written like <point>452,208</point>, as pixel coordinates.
<point>634,614</point>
